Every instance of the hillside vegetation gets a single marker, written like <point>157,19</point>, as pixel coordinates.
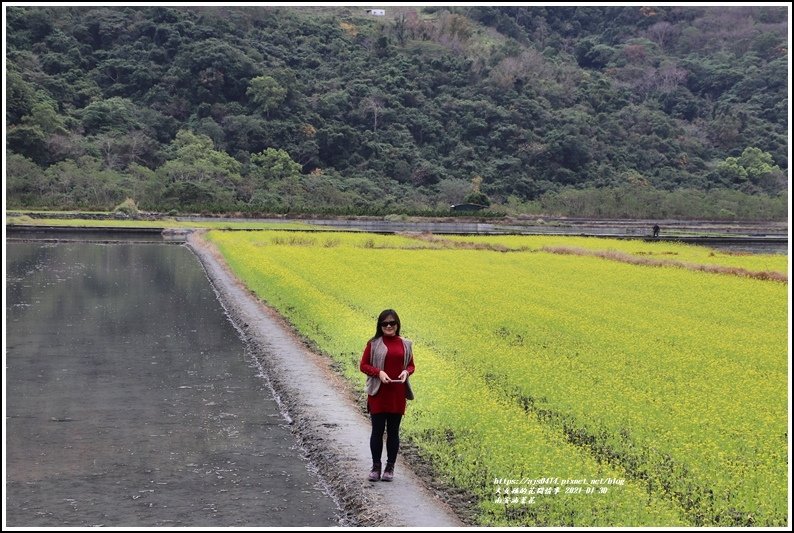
<point>526,109</point>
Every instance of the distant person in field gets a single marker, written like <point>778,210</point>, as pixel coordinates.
<point>387,362</point>
<point>656,230</point>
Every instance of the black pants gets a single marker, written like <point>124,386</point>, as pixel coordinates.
<point>390,423</point>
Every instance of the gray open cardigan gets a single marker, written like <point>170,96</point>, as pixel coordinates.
<point>377,357</point>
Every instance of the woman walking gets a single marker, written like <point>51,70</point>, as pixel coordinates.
<point>387,362</point>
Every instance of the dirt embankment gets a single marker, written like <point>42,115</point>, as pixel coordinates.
<point>323,412</point>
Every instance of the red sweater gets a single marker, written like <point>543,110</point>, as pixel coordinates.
<point>390,397</point>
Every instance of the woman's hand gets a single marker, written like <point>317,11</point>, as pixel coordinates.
<point>384,377</point>
<point>403,375</point>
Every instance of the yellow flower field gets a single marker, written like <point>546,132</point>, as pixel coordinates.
<point>663,250</point>
<point>611,394</point>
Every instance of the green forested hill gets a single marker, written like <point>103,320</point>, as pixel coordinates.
<point>266,109</point>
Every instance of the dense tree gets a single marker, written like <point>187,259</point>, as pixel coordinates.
<point>25,182</point>
<point>273,165</point>
<point>19,97</point>
<point>196,174</point>
<point>210,108</point>
<point>266,93</point>
<point>753,171</point>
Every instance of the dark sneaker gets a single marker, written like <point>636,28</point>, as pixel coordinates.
<point>388,472</point>
<point>374,474</point>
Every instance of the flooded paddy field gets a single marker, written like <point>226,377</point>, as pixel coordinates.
<point>767,237</point>
<point>740,237</point>
<point>131,399</point>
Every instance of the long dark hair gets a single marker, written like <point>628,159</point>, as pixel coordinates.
<point>381,318</point>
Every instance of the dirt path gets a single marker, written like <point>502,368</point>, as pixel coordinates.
<point>324,417</point>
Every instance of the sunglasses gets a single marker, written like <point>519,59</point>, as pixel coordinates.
<point>388,324</point>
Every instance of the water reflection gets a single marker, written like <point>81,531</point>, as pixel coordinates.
<point>131,400</point>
